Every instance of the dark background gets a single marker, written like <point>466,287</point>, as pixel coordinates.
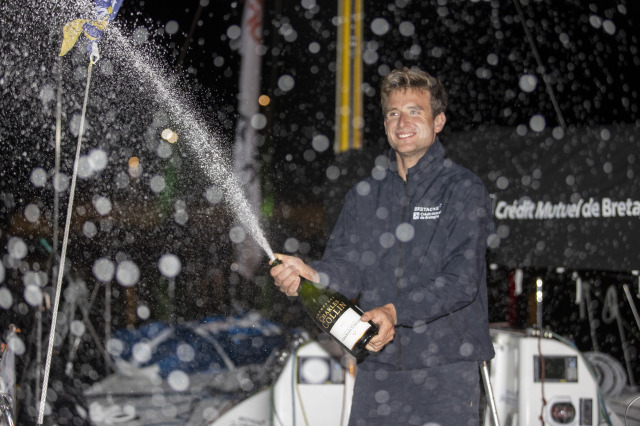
<point>479,49</point>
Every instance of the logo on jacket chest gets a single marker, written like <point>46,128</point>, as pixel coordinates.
<point>427,213</point>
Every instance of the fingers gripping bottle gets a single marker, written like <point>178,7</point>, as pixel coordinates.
<point>336,316</point>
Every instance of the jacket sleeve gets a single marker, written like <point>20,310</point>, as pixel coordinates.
<point>339,267</point>
<point>456,282</point>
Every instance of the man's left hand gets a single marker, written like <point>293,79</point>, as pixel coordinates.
<point>385,317</point>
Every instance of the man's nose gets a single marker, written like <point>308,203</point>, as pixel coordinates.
<point>402,119</point>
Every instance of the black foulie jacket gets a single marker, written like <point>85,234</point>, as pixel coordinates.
<point>419,244</point>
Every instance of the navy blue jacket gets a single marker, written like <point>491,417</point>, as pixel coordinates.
<point>419,244</point>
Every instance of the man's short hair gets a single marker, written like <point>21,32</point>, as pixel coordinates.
<point>416,79</point>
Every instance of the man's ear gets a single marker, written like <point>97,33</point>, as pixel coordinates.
<point>439,121</point>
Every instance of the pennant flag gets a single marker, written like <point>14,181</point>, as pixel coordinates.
<point>104,12</point>
<point>245,152</point>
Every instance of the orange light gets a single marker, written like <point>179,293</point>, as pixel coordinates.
<point>134,162</point>
<point>264,100</point>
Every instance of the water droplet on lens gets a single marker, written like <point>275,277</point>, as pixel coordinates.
<point>178,380</point>
<point>213,195</point>
<point>258,121</point>
<point>103,269</point>
<point>6,299</point>
<point>169,265</point>
<point>32,213</point>
<point>320,143</point>
<point>141,352</point>
<point>234,32</point>
<point>115,346</point>
<point>143,312</point>
<point>237,234</point>
<point>286,83</point>
<point>172,27</point>
<point>380,26</point>
<point>291,245</point>
<point>363,188</point>
<point>77,328</point>
<point>528,83</point>
<point>333,172</point>
<point>407,28</point>
<point>387,240</point>
<point>140,35</point>
<point>537,123</point>
<point>185,352</point>
<point>33,295</point>
<point>89,229</point>
<point>157,184</point>
<point>382,396</point>
<point>102,205</point>
<point>17,248</point>
<point>127,273</point>
<point>38,177</point>
<point>405,232</point>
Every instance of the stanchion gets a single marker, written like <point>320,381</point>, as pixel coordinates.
<point>491,402</point>
<point>6,403</point>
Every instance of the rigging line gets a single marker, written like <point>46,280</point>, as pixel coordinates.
<point>626,412</point>
<point>542,376</point>
<point>610,312</point>
<point>541,68</point>
<point>592,321</point>
<point>627,293</point>
<point>92,331</point>
<point>187,41</point>
<point>56,172</point>
<point>56,219</point>
<point>296,384</point>
<point>84,310</point>
<point>107,321</point>
<point>63,253</point>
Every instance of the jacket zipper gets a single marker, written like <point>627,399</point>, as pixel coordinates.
<point>405,205</point>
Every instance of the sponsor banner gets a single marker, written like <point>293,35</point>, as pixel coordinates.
<point>527,209</point>
<point>561,198</point>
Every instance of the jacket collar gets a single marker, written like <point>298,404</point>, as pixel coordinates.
<point>433,156</point>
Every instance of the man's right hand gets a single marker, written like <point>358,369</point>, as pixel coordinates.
<point>287,275</point>
<point>386,318</point>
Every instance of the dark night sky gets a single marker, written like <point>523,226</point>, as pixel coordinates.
<point>478,48</point>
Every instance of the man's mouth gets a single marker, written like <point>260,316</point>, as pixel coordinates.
<point>404,135</point>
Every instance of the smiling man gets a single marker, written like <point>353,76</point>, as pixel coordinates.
<point>410,124</point>
<point>411,245</point>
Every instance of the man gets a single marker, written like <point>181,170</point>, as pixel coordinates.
<point>411,246</point>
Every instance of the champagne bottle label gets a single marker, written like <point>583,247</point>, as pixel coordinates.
<point>349,329</point>
<point>342,321</point>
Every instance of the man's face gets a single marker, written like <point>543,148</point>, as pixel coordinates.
<point>410,126</point>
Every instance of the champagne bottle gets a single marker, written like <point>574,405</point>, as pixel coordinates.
<point>336,316</point>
